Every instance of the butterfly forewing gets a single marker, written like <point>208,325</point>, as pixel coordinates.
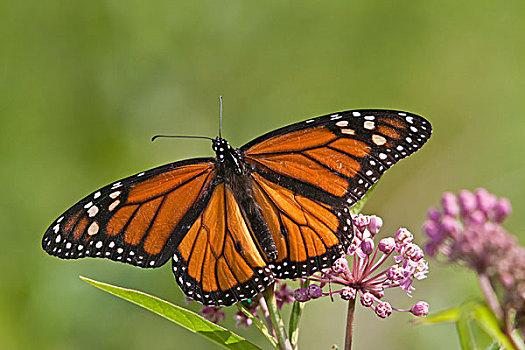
<point>133,220</point>
<point>336,158</point>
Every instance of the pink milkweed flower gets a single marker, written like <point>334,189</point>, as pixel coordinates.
<point>370,274</point>
<point>474,237</point>
<point>213,313</point>
<point>471,235</point>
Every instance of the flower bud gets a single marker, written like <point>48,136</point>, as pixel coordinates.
<point>451,226</point>
<point>450,204</point>
<point>386,245</point>
<point>433,214</point>
<point>383,309</point>
<point>432,230</point>
<point>301,295</point>
<point>375,224</point>
<point>367,299</point>
<point>502,209</point>
<point>367,246</point>
<point>467,201</point>
<point>314,291</point>
<point>347,293</point>
<point>420,309</point>
<point>485,200</point>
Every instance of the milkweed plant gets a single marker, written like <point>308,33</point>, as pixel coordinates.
<point>466,231</point>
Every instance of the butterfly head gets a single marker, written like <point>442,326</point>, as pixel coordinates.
<point>221,148</point>
<point>226,154</point>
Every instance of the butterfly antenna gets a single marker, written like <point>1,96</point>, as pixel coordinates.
<point>220,115</point>
<point>181,136</point>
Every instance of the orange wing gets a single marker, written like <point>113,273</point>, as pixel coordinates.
<point>218,261</point>
<point>308,235</point>
<point>336,158</point>
<point>136,219</point>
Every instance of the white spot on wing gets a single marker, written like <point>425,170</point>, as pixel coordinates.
<point>93,229</point>
<point>92,211</point>
<point>114,205</point>
<point>378,140</point>
<point>115,194</point>
<point>369,125</point>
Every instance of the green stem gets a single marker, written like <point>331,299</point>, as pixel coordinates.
<point>295,317</point>
<point>275,316</point>
<point>349,324</point>
<point>510,332</point>
<point>258,323</point>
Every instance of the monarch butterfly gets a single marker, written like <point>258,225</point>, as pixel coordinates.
<point>276,208</point>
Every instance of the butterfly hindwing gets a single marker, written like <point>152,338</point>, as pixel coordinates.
<point>338,157</point>
<point>309,235</point>
<point>218,261</point>
<point>133,220</point>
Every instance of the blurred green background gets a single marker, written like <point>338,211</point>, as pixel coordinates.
<point>84,85</point>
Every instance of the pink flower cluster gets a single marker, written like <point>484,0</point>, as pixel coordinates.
<point>368,276</point>
<point>468,230</point>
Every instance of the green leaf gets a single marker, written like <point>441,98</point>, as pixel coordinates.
<point>486,320</point>
<point>466,339</point>
<point>450,315</point>
<point>185,318</point>
<point>356,208</point>
<point>463,315</point>
<point>493,346</point>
